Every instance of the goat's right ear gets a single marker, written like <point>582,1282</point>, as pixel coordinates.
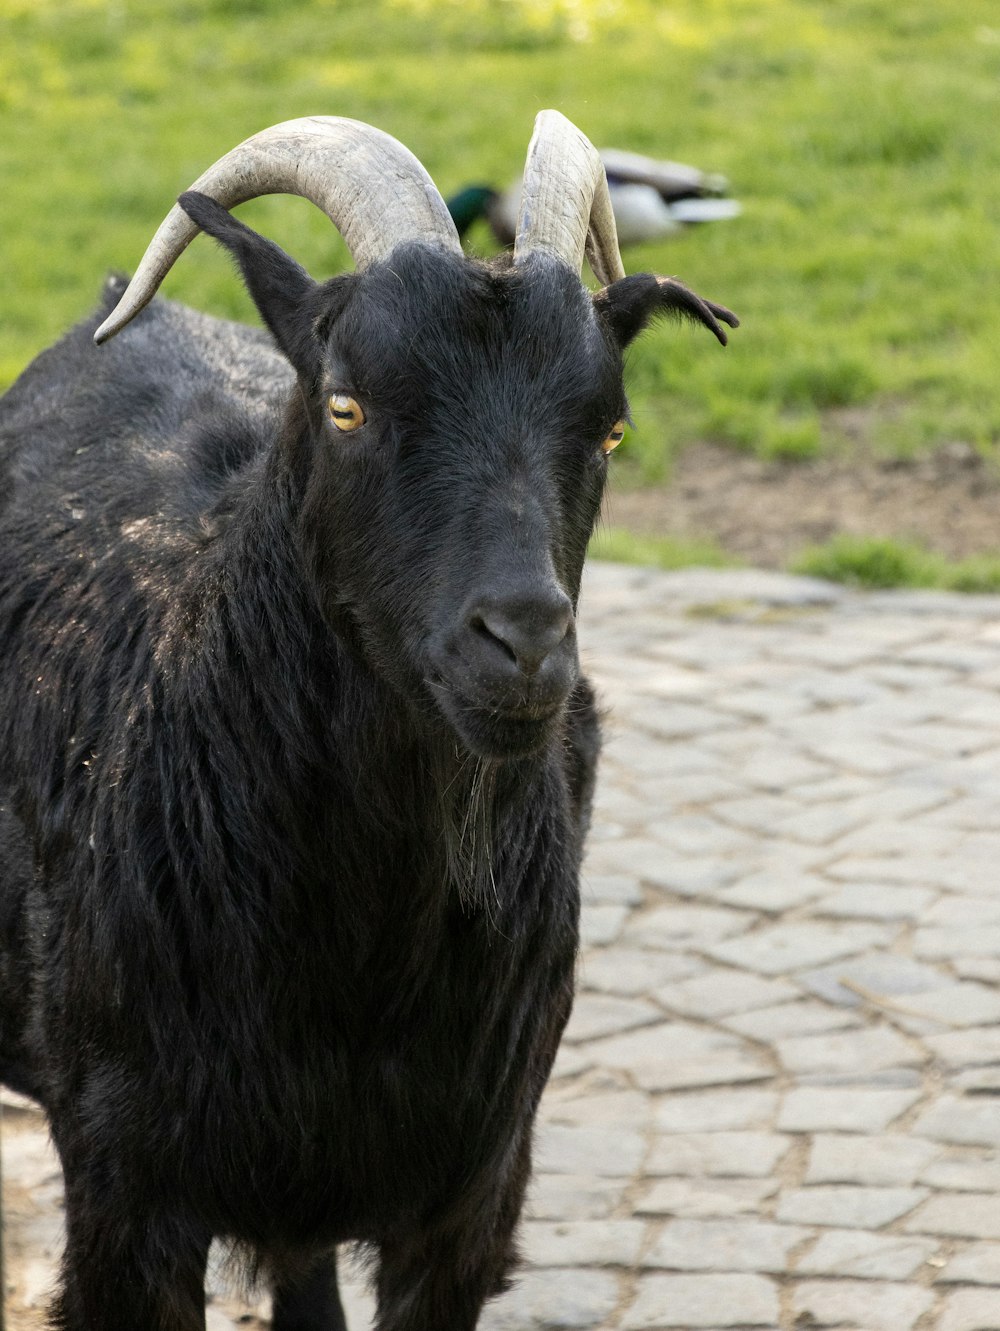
<point>282,290</point>
<point>630,303</point>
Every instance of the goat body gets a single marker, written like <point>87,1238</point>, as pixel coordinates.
<point>295,766</point>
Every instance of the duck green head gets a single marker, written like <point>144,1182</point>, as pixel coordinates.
<point>469,205</point>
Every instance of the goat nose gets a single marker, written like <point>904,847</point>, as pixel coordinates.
<point>527,628</point>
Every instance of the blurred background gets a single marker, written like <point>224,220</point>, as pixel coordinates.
<point>853,425</point>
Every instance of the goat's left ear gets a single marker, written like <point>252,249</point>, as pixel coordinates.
<point>282,290</point>
<point>629,304</point>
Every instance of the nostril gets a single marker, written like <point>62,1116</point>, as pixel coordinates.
<point>527,629</point>
<point>478,625</point>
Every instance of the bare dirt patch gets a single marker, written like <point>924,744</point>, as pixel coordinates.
<point>765,513</point>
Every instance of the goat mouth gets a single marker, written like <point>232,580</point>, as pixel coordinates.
<point>493,729</point>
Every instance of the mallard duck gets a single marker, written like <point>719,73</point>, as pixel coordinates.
<point>650,199</point>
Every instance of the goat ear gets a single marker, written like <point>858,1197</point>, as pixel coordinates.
<point>629,304</point>
<point>282,290</point>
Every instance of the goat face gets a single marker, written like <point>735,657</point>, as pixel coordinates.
<point>450,527</point>
<point>449,448</point>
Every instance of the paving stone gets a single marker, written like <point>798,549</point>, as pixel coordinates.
<point>946,944</point>
<point>731,1110</point>
<point>766,704</point>
<point>877,902</point>
<point>622,889</point>
<point>977,968</point>
<point>883,838</point>
<point>571,1060</point>
<point>216,1319</point>
<point>970,1310</point>
<point>686,926</point>
<point>692,875</point>
<point>881,1160</point>
<point>873,978</point>
<point>907,675</point>
<point>969,1215</point>
<point>836,786</point>
<point>625,970</point>
<point>965,657</point>
<point>973,1264</point>
<point>678,1054</point>
<point>961,1121</point>
<point>754,811</point>
<point>556,1299</point>
<point>976,1081</point>
<point>928,870</point>
<point>869,1049</point>
<point>956,909</point>
<point>843,1109</point>
<point>969,813</point>
<point>576,1105</point>
<point>773,891</point>
<point>819,824</point>
<point>719,992</point>
<point>867,1305</point>
<point>963,1170</point>
<point>882,801</point>
<point>854,1252</point>
<point>702,1301</point>
<point>634,857</point>
<point>781,769</point>
<point>645,756</point>
<point>564,1149</point>
<point>688,1197</point>
<point>782,948</point>
<point>833,689</point>
<point>725,1245</point>
<point>967,1004</point>
<point>698,585</point>
<point>573,1196</point>
<point>358,1303</point>
<point>699,833</point>
<point>846,1206</point>
<point>602,924</point>
<point>862,754</point>
<point>675,720</point>
<point>582,1242</point>
<point>789,1019</point>
<point>692,790</point>
<point>605,1014</point>
<point>753,1154</point>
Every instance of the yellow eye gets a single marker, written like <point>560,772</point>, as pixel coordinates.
<point>615,437</point>
<point>345,412</point>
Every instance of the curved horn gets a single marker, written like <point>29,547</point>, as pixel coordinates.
<point>373,190</point>
<point>565,205</point>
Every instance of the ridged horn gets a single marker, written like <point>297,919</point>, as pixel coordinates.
<point>373,190</point>
<point>565,205</point>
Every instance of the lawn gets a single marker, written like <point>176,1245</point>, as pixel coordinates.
<point>860,136</point>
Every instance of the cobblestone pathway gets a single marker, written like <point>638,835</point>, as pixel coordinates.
<point>777,1102</point>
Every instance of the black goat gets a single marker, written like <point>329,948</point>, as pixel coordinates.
<point>296,759</point>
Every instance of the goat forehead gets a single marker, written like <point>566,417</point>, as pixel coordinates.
<point>431,315</point>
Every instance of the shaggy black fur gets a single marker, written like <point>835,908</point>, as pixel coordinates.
<point>295,764</point>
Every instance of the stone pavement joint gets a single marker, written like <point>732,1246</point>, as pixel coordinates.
<point>776,1103</point>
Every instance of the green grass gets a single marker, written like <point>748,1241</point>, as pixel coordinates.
<point>859,134</point>
<point>874,563</point>
<point>871,563</point>
<point>625,547</point>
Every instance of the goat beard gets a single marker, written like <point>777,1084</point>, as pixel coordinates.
<point>469,821</point>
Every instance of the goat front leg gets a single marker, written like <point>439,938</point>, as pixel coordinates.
<point>310,1301</point>
<point>436,1290</point>
<point>128,1270</point>
<point>439,1280</point>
